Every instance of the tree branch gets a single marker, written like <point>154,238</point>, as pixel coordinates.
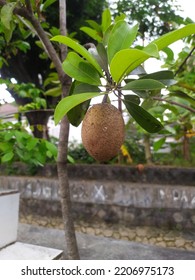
<point>175,103</point>
<point>28,6</point>
<point>63,29</point>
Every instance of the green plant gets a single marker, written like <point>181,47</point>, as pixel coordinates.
<point>29,92</point>
<point>107,68</point>
<point>79,153</point>
<point>17,145</point>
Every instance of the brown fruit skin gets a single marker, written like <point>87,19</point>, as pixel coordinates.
<point>103,131</point>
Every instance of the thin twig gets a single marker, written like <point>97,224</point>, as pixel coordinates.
<point>175,103</point>
<point>183,63</point>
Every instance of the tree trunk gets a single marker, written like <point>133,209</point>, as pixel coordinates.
<point>70,237</point>
<point>148,154</point>
<point>71,243</point>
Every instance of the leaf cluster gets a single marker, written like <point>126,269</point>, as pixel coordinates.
<point>17,145</point>
<point>111,66</point>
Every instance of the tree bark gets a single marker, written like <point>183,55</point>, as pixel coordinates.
<point>71,243</point>
<point>70,237</point>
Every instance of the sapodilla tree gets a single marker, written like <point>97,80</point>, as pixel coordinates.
<point>26,10</point>
<point>112,62</point>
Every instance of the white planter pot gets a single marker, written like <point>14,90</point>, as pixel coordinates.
<point>9,209</point>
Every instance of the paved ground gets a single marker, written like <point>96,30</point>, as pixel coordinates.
<point>165,238</point>
<point>96,247</point>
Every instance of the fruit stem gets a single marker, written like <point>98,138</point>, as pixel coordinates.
<point>105,99</point>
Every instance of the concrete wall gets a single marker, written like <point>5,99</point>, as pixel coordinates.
<point>162,197</point>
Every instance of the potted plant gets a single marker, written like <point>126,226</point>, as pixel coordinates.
<point>35,109</point>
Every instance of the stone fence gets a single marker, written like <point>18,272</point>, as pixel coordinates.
<point>155,196</point>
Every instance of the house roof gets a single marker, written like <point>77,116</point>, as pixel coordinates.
<point>7,109</point>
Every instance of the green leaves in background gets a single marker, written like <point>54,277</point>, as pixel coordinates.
<point>142,117</point>
<point>7,13</point>
<point>7,157</point>
<point>56,91</point>
<point>158,144</point>
<point>7,21</point>
<point>81,70</point>
<point>16,144</point>
<point>184,96</point>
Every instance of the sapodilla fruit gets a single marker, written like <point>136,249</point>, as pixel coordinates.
<point>103,131</point>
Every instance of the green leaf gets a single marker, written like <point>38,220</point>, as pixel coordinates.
<point>171,108</point>
<point>125,61</point>
<point>94,25</point>
<point>148,103</point>
<point>103,59</point>
<point>144,84</point>
<point>132,98</point>
<point>31,144</point>
<point>174,36</point>
<point>107,36</point>
<point>120,17</point>
<point>142,117</point>
<point>70,159</point>
<point>106,19</point>
<point>152,50</point>
<point>138,71</point>
<point>92,33</point>
<point>49,154</point>
<point>79,69</point>
<point>158,144</point>
<point>166,77</point>
<point>169,53</point>
<point>67,103</point>
<point>47,3</point>
<point>160,75</point>
<point>121,37</point>
<point>52,148</point>
<point>53,91</point>
<point>7,13</point>
<point>76,114</point>
<point>79,49</point>
<point>6,146</point>
<point>9,135</point>
<point>8,32</point>
<point>7,157</point>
